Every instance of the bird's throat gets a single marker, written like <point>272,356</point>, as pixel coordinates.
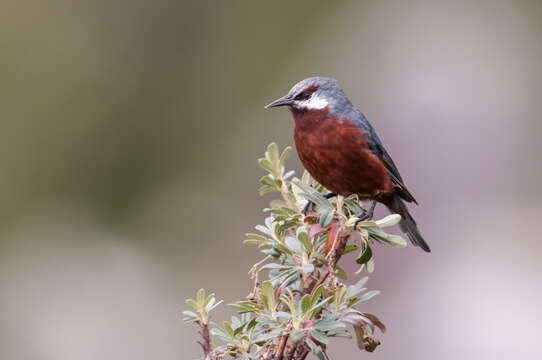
<point>307,120</point>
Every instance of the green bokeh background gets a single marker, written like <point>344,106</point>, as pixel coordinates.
<point>130,131</point>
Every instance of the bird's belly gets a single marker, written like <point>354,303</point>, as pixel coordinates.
<point>340,160</point>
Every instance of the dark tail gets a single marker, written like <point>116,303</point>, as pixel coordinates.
<point>407,224</point>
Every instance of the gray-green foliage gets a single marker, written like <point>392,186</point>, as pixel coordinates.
<point>297,301</point>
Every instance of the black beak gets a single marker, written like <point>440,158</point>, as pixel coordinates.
<point>283,101</point>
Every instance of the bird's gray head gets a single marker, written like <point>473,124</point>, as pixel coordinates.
<point>314,93</point>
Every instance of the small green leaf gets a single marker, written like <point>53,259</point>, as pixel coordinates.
<point>266,180</point>
<point>218,332</point>
<point>228,328</point>
<point>269,294</point>
<point>211,305</point>
<point>251,242</point>
<point>297,336</point>
<point>340,272</point>
<point>397,241</point>
<point>190,313</point>
<point>371,265</point>
<point>266,337</point>
<point>288,175</point>
<point>237,330</point>
<point>283,315</point>
<point>305,303</point>
<point>318,199</point>
<point>264,320</point>
<point>325,325</point>
<point>318,305</point>
<point>285,155</point>
<point>193,304</point>
<point>244,307</point>
<point>353,290</point>
<point>390,220</point>
<point>326,217</point>
<point>316,350</point>
<point>290,279</point>
<point>350,248</point>
<point>266,165</point>
<point>293,244</point>
<point>367,224</point>
<point>189,319</point>
<point>210,298</point>
<point>307,268</point>
<point>303,238</point>
<point>309,197</point>
<point>321,338</point>
<point>274,266</point>
<point>291,197</point>
<point>283,249</point>
<point>265,190</point>
<point>272,154</point>
<point>365,255</point>
<point>200,296</point>
<point>274,252</point>
<point>317,293</point>
<point>352,206</point>
<point>368,295</point>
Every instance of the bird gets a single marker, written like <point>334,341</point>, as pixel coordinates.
<point>341,150</point>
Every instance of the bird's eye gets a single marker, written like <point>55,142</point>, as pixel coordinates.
<point>303,96</point>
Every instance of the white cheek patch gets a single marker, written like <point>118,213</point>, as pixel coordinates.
<point>314,103</point>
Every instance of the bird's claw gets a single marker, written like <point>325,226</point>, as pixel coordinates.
<point>366,215</point>
<point>363,216</point>
<point>310,205</point>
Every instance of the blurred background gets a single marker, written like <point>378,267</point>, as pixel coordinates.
<point>130,132</point>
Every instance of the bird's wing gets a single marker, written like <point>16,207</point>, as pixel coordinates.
<point>376,146</point>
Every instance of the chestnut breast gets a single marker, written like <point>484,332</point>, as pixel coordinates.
<point>336,153</point>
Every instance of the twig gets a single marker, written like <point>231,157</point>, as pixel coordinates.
<point>338,252</point>
<point>320,281</point>
<point>254,272</point>
<point>206,344</point>
<point>290,352</point>
<point>282,346</point>
<point>304,351</point>
<point>303,355</point>
<point>332,263</point>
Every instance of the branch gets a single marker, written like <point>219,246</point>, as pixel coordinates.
<point>320,281</point>
<point>206,344</point>
<point>333,262</point>
<point>282,346</point>
<point>299,346</point>
<point>282,342</point>
<point>283,318</point>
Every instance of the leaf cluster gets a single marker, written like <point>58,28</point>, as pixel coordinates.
<point>298,304</point>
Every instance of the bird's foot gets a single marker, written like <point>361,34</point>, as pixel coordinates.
<point>310,205</point>
<point>366,215</point>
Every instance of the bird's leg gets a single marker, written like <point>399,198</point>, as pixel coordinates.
<point>310,204</point>
<point>367,215</point>
<point>371,211</point>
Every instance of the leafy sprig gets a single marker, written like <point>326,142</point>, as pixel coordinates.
<point>303,303</point>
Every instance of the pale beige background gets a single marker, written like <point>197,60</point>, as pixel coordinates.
<point>129,136</point>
